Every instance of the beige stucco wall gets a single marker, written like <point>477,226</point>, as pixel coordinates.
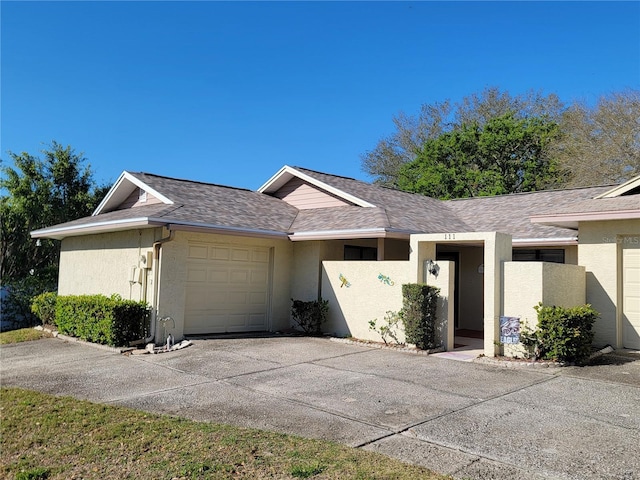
<point>102,264</point>
<point>365,297</point>
<point>173,275</point>
<point>599,251</point>
<point>526,284</point>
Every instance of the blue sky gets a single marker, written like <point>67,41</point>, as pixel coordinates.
<point>228,92</point>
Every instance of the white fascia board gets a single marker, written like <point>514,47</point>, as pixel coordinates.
<point>347,234</point>
<point>573,218</point>
<point>97,227</point>
<point>544,242</point>
<point>120,183</point>
<point>286,173</point>
<point>621,189</point>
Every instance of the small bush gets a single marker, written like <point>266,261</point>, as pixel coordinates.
<point>310,316</point>
<point>390,327</point>
<point>43,306</point>
<point>418,313</point>
<point>100,319</point>
<point>563,334</point>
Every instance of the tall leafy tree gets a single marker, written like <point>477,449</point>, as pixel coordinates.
<point>412,132</point>
<point>35,193</point>
<point>505,155</point>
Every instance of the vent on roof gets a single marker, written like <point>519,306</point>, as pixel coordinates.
<point>142,196</point>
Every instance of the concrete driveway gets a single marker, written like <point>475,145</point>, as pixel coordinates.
<point>466,419</point>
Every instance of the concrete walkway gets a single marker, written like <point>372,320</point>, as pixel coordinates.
<point>466,419</point>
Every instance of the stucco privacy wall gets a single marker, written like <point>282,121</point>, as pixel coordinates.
<point>102,264</point>
<point>360,291</point>
<point>173,276</point>
<point>600,251</point>
<point>526,284</point>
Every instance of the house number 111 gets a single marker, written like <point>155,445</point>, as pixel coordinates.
<point>449,236</point>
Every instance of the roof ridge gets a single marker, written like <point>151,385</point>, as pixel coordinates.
<point>328,174</point>
<point>199,182</point>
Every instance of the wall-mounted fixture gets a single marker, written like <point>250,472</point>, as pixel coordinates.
<point>432,267</point>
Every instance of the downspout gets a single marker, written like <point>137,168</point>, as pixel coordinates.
<point>157,246</point>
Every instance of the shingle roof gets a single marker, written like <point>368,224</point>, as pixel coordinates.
<point>217,206</point>
<point>511,213</point>
<point>213,204</point>
<point>405,211</point>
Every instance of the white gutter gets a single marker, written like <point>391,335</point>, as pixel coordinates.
<point>157,247</point>
<point>113,225</point>
<point>349,233</point>
<point>532,242</point>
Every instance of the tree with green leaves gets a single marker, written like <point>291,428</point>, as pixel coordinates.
<point>505,155</point>
<point>37,193</point>
<point>433,120</point>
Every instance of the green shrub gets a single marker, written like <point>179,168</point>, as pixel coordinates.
<point>43,306</point>
<point>418,314</point>
<point>100,319</point>
<point>310,316</point>
<point>563,334</point>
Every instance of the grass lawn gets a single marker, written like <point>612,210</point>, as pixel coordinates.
<point>22,335</point>
<point>48,437</point>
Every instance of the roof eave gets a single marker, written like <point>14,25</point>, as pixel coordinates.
<point>571,220</point>
<point>545,242</point>
<point>109,199</point>
<point>350,234</point>
<point>59,233</point>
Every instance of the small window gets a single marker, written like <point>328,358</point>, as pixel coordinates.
<point>352,252</point>
<point>142,195</point>
<point>553,255</point>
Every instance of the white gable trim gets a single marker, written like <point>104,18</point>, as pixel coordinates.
<point>621,189</point>
<point>286,173</point>
<point>123,187</point>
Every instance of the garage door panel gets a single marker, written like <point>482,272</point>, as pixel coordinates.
<point>233,293</point>
<point>198,251</point>
<point>240,255</point>
<point>197,275</point>
<point>258,277</point>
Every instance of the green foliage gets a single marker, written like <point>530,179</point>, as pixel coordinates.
<point>16,304</point>
<point>43,306</point>
<point>506,155</point>
<point>37,193</point>
<point>418,314</point>
<point>99,319</point>
<point>388,330</point>
<point>310,316</point>
<point>432,121</point>
<point>563,334</point>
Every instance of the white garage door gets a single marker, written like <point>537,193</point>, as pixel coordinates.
<point>631,294</point>
<point>227,289</point>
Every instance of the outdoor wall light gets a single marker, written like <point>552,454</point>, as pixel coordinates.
<point>432,267</point>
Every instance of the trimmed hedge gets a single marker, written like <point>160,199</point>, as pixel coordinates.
<point>100,319</point>
<point>565,334</point>
<point>43,306</point>
<point>418,313</point>
<point>310,315</point>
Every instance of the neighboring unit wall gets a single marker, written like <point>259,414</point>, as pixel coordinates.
<point>599,251</point>
<point>107,264</point>
<point>526,284</point>
<point>361,291</point>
